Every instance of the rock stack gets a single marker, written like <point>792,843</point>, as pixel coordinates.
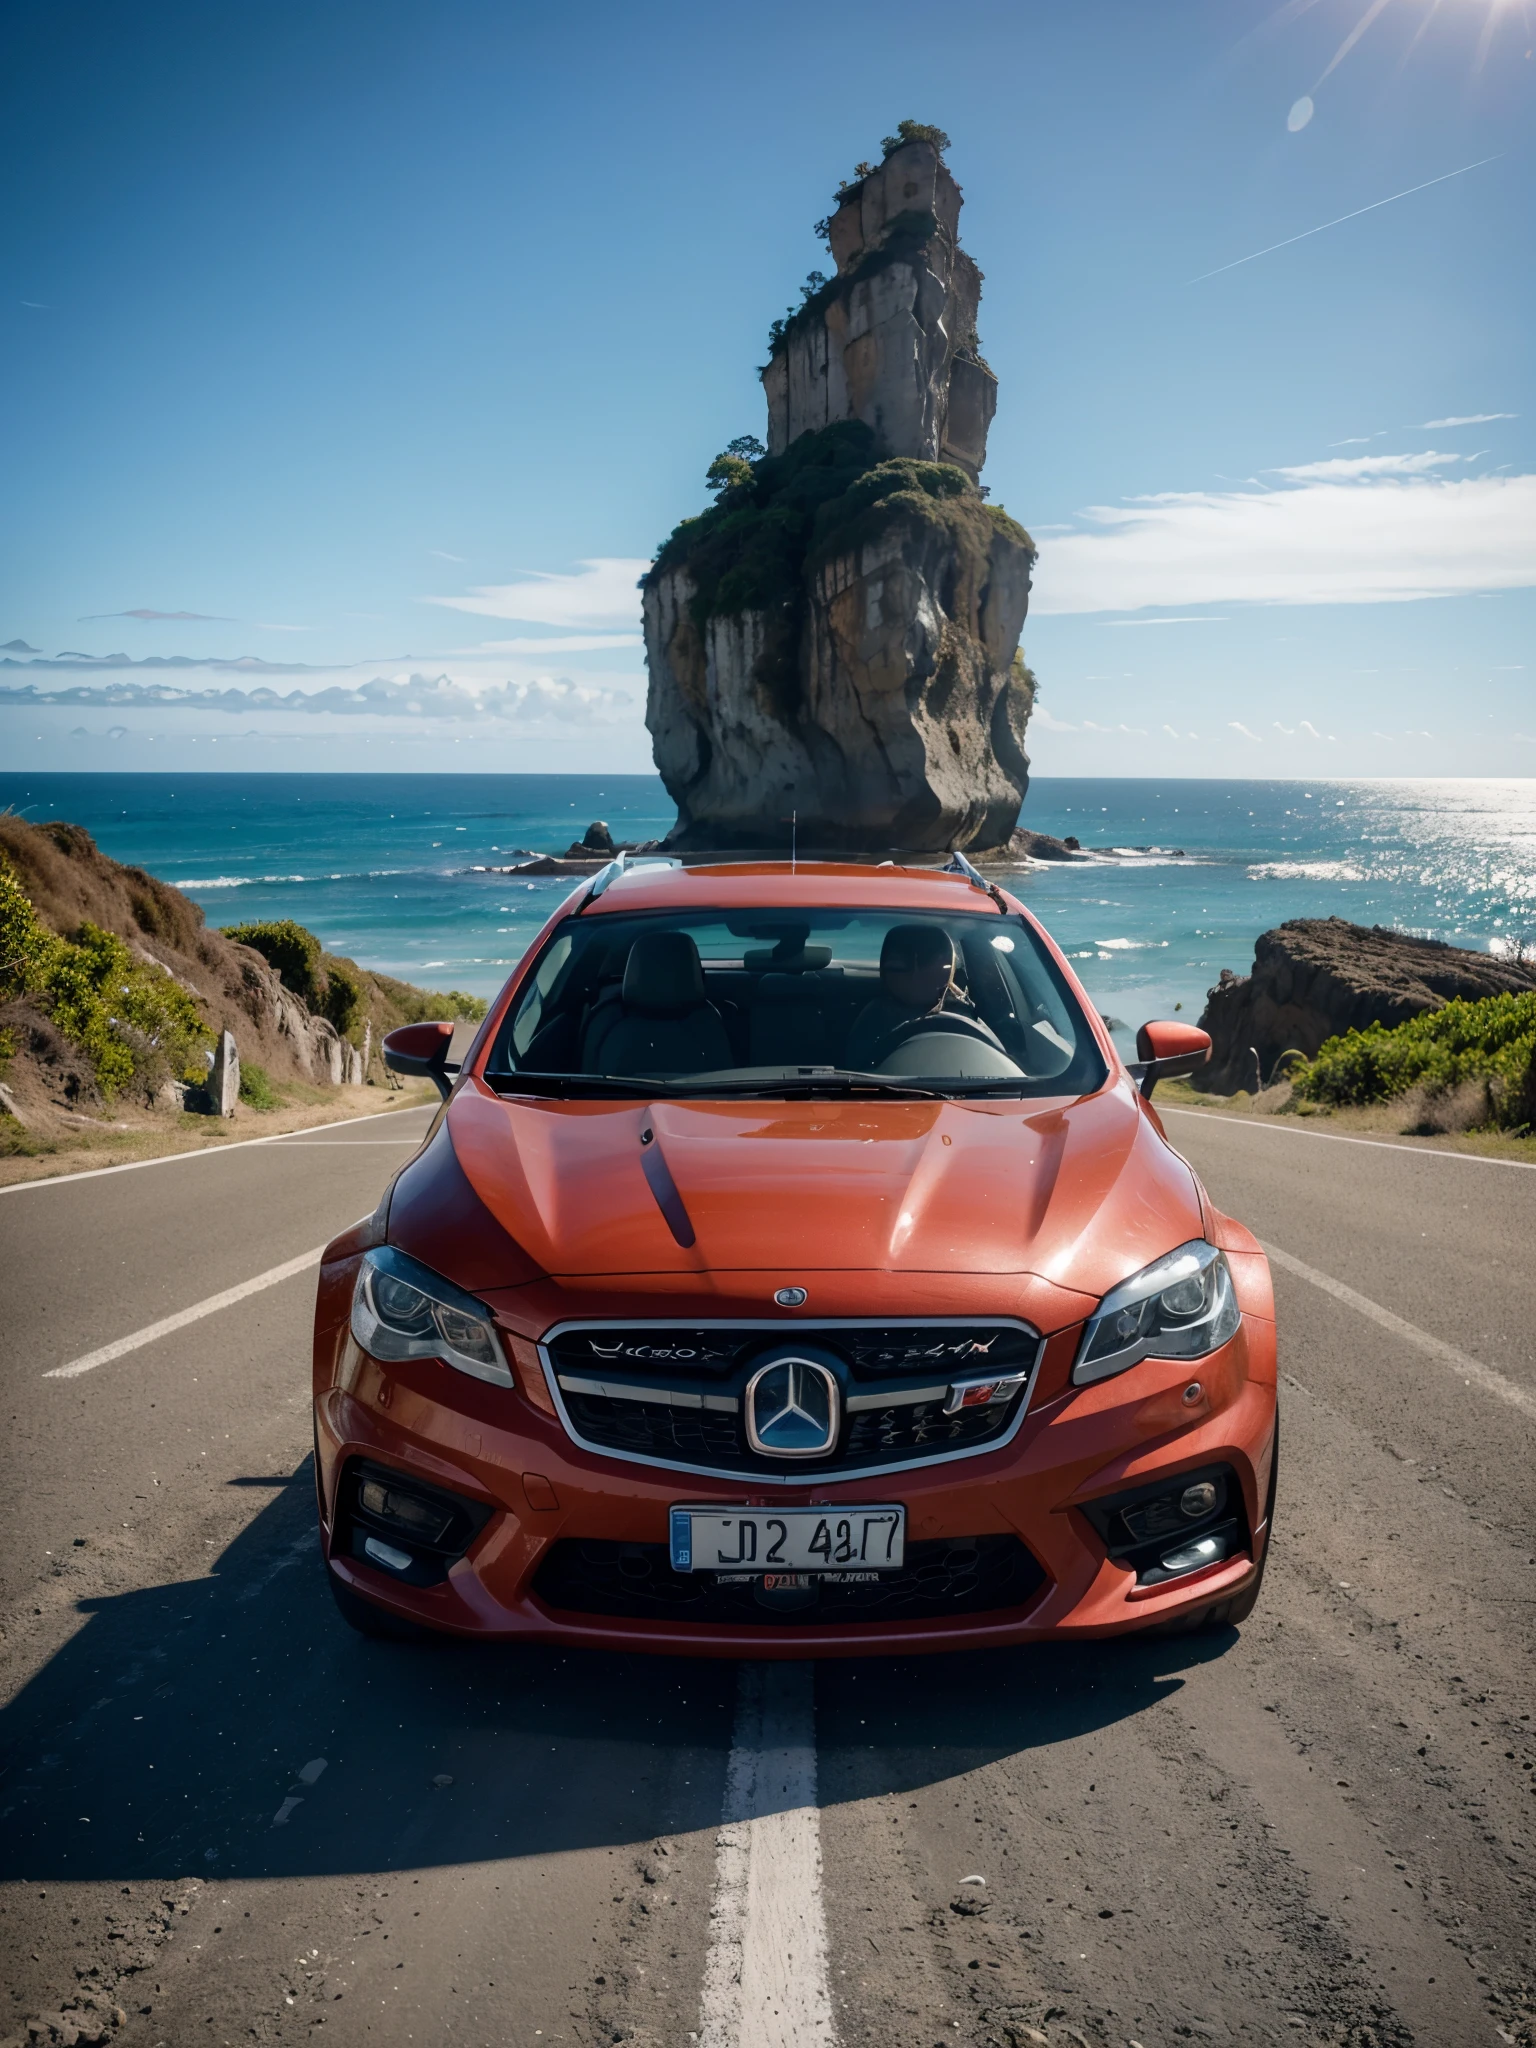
<point>836,640</point>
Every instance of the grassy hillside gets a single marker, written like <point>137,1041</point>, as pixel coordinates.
<point>114,990</point>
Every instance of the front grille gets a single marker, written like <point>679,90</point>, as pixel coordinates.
<point>673,1394</point>
<point>635,1582</point>
<point>648,1428</point>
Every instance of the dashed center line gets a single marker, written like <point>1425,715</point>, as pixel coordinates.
<point>765,1977</point>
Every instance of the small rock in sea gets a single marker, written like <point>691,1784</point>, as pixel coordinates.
<point>442,1780</point>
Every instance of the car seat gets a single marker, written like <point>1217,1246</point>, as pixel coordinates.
<point>661,1022</point>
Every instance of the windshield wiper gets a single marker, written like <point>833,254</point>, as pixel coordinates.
<point>840,1081</point>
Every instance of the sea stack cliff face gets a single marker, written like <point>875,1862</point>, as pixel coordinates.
<point>836,639</point>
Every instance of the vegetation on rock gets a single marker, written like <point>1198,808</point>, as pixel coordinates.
<point>826,495</point>
<point>291,951</point>
<point>1492,1042</point>
<point>331,988</point>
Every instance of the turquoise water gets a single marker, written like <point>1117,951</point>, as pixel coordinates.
<point>381,865</point>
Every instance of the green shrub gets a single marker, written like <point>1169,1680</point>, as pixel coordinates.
<point>132,1021</point>
<point>290,950</point>
<point>343,998</point>
<point>914,131</point>
<point>1493,1041</point>
<point>256,1088</point>
<point>25,943</point>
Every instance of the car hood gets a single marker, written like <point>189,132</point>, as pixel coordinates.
<point>1080,1193</point>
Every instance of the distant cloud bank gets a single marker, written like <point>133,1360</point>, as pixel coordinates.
<point>412,698</point>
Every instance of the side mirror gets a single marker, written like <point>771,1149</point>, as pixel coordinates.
<point>422,1049</point>
<point>1165,1049</point>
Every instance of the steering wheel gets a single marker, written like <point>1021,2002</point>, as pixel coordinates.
<point>940,1023</point>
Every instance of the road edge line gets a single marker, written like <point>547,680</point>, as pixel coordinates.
<point>179,1321</point>
<point>1214,1116</point>
<point>58,1180</point>
<point>1471,1369</point>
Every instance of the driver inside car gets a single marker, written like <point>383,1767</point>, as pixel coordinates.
<point>917,970</point>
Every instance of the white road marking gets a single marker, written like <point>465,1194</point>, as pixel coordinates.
<point>1470,1369</point>
<point>765,1978</point>
<point>180,1320</point>
<point>1215,1116</point>
<point>58,1180</point>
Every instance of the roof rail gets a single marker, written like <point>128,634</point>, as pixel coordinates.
<point>620,865</point>
<point>957,864</point>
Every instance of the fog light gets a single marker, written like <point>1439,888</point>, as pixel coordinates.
<point>1190,1556</point>
<point>411,1515</point>
<point>1197,1501</point>
<point>387,1555</point>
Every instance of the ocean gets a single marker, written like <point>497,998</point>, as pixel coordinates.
<point>390,868</point>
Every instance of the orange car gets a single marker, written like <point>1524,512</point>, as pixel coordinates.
<point>794,1269</point>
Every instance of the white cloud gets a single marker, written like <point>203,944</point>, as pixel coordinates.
<point>1041,717</point>
<point>1237,726</point>
<point>1288,730</point>
<point>602,593</point>
<point>1199,619</point>
<point>1469,419</point>
<point>1310,729</point>
<point>1346,468</point>
<point>1316,541</point>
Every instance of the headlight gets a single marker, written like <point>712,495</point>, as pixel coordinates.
<point>1181,1306</point>
<point>401,1309</point>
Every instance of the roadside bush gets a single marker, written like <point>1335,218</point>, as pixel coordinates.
<point>291,951</point>
<point>1492,1042</point>
<point>133,1022</point>
<point>343,998</point>
<point>255,1087</point>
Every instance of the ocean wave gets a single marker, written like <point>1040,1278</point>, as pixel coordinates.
<point>261,881</point>
<point>1128,945</point>
<point>1306,871</point>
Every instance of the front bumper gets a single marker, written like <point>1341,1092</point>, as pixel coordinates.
<point>509,1453</point>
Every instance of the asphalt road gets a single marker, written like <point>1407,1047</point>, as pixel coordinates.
<point>226,1818</point>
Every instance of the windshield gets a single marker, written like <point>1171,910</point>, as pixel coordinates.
<point>811,1001</point>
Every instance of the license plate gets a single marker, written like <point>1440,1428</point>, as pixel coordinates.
<point>772,1541</point>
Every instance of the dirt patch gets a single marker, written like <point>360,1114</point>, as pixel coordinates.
<point>84,1143</point>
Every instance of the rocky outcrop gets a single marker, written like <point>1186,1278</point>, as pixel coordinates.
<point>1316,978</point>
<point>891,338</point>
<point>833,647</point>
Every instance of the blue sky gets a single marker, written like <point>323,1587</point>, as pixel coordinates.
<point>387,341</point>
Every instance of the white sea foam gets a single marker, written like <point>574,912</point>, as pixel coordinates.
<point>239,881</point>
<point>1306,871</point>
<point>1127,945</point>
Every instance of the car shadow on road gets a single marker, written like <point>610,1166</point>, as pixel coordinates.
<point>234,1726</point>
